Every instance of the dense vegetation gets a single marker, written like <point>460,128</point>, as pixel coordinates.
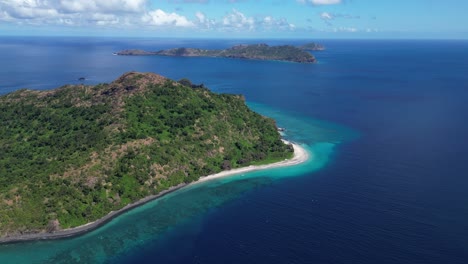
<point>75,153</point>
<point>256,51</point>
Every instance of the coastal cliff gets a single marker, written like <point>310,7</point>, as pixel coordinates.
<point>253,52</point>
<point>72,155</point>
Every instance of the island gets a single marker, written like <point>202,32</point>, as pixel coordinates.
<point>76,156</point>
<point>254,52</point>
<point>312,47</point>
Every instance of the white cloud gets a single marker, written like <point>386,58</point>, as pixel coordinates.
<point>160,18</point>
<point>325,2</point>
<point>346,29</point>
<point>237,20</point>
<point>372,30</point>
<point>69,12</point>
<point>201,17</point>
<point>38,7</point>
<point>326,16</point>
<point>26,9</point>
<point>203,22</point>
<point>320,2</point>
<point>270,23</point>
<point>120,13</point>
<point>130,14</point>
<point>5,16</point>
<point>106,6</point>
<point>105,19</point>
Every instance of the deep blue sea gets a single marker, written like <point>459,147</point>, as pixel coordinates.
<point>385,122</point>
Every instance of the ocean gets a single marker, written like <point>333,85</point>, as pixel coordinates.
<point>385,122</point>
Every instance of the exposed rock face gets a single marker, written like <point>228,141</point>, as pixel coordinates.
<point>53,225</point>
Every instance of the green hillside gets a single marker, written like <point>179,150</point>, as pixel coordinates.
<point>253,52</point>
<point>78,152</point>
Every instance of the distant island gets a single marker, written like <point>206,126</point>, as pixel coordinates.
<point>312,46</point>
<point>254,52</point>
<point>74,157</point>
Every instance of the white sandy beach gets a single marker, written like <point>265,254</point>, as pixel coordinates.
<point>300,156</point>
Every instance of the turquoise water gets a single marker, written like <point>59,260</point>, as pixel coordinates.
<point>158,218</point>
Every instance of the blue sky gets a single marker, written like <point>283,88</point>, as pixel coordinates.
<point>237,18</point>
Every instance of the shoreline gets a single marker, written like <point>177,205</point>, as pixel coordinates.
<point>300,156</point>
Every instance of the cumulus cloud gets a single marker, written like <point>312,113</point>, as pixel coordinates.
<point>201,17</point>
<point>270,23</point>
<point>203,22</point>
<point>26,9</point>
<point>104,19</point>
<point>160,18</point>
<point>237,20</point>
<point>68,12</point>
<point>131,14</point>
<point>106,6</point>
<point>23,8</point>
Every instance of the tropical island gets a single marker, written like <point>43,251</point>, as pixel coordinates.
<point>312,46</point>
<point>74,157</point>
<point>253,52</point>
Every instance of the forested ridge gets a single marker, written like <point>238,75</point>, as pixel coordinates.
<point>71,155</point>
<point>252,51</point>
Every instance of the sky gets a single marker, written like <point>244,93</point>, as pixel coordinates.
<point>410,19</point>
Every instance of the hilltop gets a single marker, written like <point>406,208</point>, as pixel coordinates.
<point>72,155</point>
